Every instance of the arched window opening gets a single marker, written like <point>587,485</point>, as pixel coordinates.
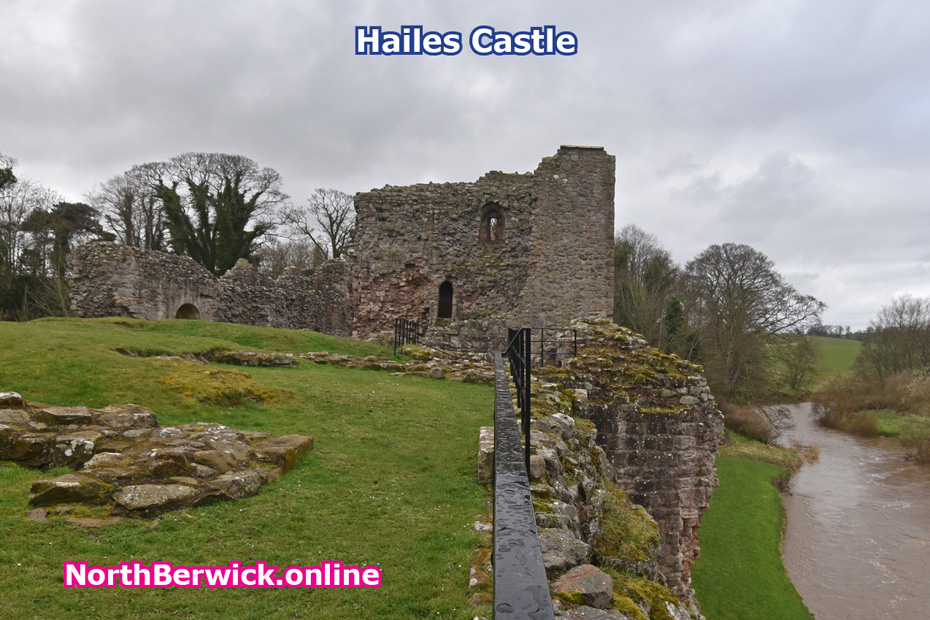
<point>445,300</point>
<point>188,311</point>
<point>492,224</point>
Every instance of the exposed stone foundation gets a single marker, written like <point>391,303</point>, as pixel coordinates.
<point>126,462</point>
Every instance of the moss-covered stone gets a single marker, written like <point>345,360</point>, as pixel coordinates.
<point>631,536</point>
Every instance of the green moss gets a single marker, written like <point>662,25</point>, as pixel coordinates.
<point>630,535</point>
<point>573,599</point>
<point>584,425</point>
<point>540,504</point>
<point>626,605</point>
<point>643,592</point>
<point>210,385</point>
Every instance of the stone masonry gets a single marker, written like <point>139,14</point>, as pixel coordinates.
<point>117,280</point>
<point>660,429</point>
<point>509,249</point>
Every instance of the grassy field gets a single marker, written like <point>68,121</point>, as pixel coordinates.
<point>391,481</point>
<point>739,574</point>
<point>836,355</point>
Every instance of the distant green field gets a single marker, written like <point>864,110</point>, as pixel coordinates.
<point>836,355</point>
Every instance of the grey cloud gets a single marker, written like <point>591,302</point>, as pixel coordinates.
<point>800,128</point>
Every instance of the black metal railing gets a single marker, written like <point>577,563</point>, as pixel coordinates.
<point>561,344</point>
<point>521,590</point>
<point>519,352</point>
<point>405,332</point>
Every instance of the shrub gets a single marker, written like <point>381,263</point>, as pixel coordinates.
<point>747,422</point>
<point>809,453</point>
<point>916,448</point>
<point>915,392</point>
<point>864,424</point>
<point>846,403</point>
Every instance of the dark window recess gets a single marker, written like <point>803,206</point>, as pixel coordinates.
<point>445,301</point>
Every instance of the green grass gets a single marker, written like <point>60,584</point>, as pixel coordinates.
<point>739,574</point>
<point>836,355</point>
<point>391,481</point>
<point>739,447</point>
<point>895,424</point>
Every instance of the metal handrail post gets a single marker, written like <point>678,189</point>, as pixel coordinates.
<point>526,397</point>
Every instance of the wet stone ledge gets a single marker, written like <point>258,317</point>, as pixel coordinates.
<point>125,462</point>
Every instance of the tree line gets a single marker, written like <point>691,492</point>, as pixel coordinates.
<point>727,309</point>
<point>213,207</point>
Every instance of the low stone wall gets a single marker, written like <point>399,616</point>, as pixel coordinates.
<point>468,335</point>
<point>116,280</point>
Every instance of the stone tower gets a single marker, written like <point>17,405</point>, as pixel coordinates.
<point>530,249</point>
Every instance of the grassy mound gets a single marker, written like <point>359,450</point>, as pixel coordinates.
<point>391,481</point>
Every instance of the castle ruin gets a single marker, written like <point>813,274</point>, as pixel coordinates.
<point>117,280</point>
<point>506,250</point>
<point>532,249</point>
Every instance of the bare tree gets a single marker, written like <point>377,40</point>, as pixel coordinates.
<point>329,222</point>
<point>797,355</point>
<point>277,255</point>
<point>898,338</point>
<point>130,208</point>
<point>739,302</point>
<point>17,246</point>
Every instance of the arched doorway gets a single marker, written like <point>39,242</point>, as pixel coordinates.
<point>187,311</point>
<point>446,293</point>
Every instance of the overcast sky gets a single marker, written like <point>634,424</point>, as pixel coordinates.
<point>799,128</point>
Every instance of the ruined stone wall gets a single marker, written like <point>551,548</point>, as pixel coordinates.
<point>109,279</point>
<point>660,429</point>
<point>665,462</point>
<point>318,299</point>
<point>549,259</point>
<point>115,280</point>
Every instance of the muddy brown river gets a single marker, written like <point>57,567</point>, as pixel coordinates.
<point>857,545</point>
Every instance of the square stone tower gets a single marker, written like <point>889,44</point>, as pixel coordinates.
<point>532,249</point>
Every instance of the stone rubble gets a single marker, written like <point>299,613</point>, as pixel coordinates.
<point>469,367</point>
<point>128,464</point>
